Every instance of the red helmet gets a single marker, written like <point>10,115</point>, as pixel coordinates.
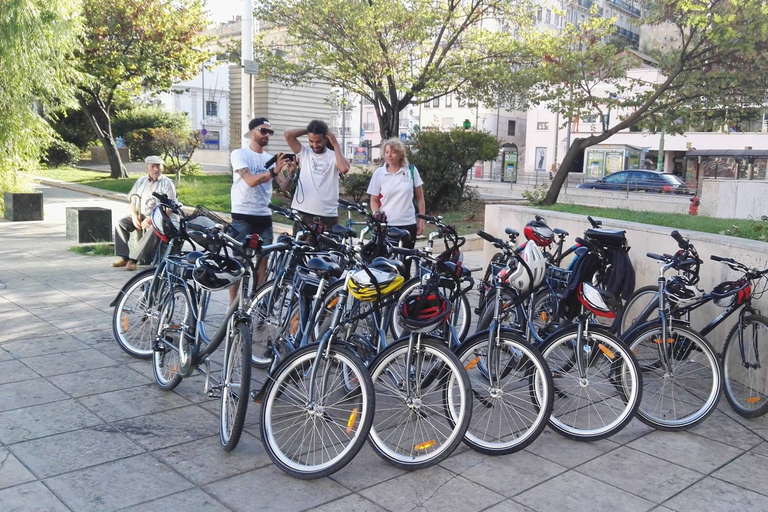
<point>424,313</point>
<point>538,231</point>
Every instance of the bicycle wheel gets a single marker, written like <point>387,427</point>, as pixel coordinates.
<point>745,367</point>
<point>507,413</point>
<point>235,386</point>
<point>312,438</point>
<point>604,400</point>
<point>363,328</point>
<point>642,307</point>
<point>461,315</point>
<point>683,393</point>
<point>269,313</point>
<point>511,317</point>
<point>134,319</point>
<point>176,320</point>
<point>422,409</point>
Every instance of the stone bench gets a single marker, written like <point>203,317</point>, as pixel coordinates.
<point>89,224</point>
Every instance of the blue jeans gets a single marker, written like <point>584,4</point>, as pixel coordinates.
<point>245,228</point>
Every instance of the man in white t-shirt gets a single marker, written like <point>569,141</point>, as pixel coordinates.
<point>252,186</point>
<point>317,191</point>
<point>142,201</point>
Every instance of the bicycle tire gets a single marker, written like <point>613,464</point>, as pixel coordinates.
<point>268,317</point>
<point>509,417</point>
<point>616,386</point>
<point>285,391</point>
<point>364,328</point>
<point>684,394</point>
<point>439,366</point>
<point>235,386</point>
<point>134,323</point>
<point>629,317</point>
<point>510,317</point>
<point>752,383</point>
<point>461,314</point>
<point>175,317</point>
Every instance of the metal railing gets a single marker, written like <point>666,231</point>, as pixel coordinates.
<point>369,127</point>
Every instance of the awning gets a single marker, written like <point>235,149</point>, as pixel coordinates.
<point>740,153</point>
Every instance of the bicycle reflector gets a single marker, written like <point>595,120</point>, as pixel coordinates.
<point>253,241</point>
<point>599,302</point>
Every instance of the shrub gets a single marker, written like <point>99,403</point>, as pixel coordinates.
<point>73,126</point>
<point>356,185</point>
<point>146,117</point>
<point>61,153</point>
<point>141,143</point>
<point>536,195</point>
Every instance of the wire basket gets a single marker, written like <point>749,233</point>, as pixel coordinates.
<point>557,278</point>
<point>202,211</point>
<point>179,267</point>
<point>305,281</point>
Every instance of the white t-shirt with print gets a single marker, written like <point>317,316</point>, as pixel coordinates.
<point>144,188</point>
<point>317,191</point>
<point>246,199</point>
<point>396,190</point>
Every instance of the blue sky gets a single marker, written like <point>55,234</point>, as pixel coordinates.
<point>224,10</point>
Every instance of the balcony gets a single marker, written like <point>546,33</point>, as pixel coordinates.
<point>369,127</point>
<point>337,130</point>
<point>633,37</point>
<point>625,6</point>
<point>587,5</point>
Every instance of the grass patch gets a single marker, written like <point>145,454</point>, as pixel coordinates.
<point>94,249</point>
<point>741,228</point>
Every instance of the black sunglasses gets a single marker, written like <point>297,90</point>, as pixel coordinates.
<point>266,131</point>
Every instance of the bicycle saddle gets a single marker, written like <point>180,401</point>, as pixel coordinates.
<point>343,231</point>
<point>324,268</point>
<point>383,263</point>
<point>397,233</point>
<point>193,256</point>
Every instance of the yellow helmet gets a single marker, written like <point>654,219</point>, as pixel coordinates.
<point>362,288</point>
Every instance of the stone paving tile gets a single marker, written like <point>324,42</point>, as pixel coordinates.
<point>74,362</point>
<point>14,371</point>
<point>761,449</point>
<point>97,381</point>
<point>44,420</point>
<point>12,472</point>
<point>98,336</point>
<point>119,484</point>
<point>5,355</point>
<point>723,428</point>
<point>633,471</point>
<point>749,471</point>
<point>270,489</point>
<point>716,495</point>
<point>365,470</point>
<point>18,324</point>
<point>37,346</point>
<point>28,392</point>
<point>509,506</point>
<point>575,492</point>
<point>61,453</point>
<point>565,452</point>
<point>192,388</point>
<point>635,430</point>
<point>168,428</point>
<point>353,502</point>
<point>192,500</point>
<point>6,306</point>
<point>31,497</point>
<point>687,450</point>
<point>506,474</point>
<point>205,461</point>
<point>133,402</point>
<point>433,489</point>
<point>39,296</point>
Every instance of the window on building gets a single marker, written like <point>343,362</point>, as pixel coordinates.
<point>212,108</point>
<point>449,100</point>
<point>591,119</point>
<point>462,102</point>
<point>548,17</point>
<point>511,125</point>
<point>539,13</point>
<point>542,126</point>
<point>436,102</point>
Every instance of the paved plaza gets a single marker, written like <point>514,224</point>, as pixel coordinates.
<point>84,428</point>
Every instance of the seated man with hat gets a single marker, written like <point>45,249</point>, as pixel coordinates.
<point>142,201</point>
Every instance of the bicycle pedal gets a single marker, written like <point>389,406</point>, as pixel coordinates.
<point>258,396</point>
<point>214,392</point>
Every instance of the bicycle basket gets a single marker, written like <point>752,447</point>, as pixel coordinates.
<point>732,293</point>
<point>201,219</point>
<point>557,278</point>
<point>306,281</point>
<point>179,267</point>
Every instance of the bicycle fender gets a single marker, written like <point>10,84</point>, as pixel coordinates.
<point>130,282</point>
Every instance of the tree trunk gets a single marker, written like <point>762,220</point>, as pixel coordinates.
<point>562,172</point>
<point>389,124</point>
<point>102,127</point>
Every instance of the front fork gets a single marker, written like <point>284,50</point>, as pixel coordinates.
<point>755,329</point>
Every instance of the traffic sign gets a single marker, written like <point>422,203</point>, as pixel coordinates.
<point>403,136</point>
<point>251,67</point>
<point>204,131</point>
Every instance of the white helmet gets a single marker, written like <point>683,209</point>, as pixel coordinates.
<point>520,279</point>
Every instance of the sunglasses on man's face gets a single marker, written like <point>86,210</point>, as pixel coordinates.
<point>266,131</point>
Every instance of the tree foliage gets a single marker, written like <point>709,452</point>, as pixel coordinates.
<point>37,39</point>
<point>443,159</point>
<point>148,116</point>
<point>715,58</point>
<point>134,46</point>
<point>396,53</point>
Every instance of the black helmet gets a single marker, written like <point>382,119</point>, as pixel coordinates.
<point>214,272</point>
<point>681,291</point>
<point>732,293</point>
<point>423,312</point>
<point>163,225</point>
<point>538,231</point>
<point>196,229</point>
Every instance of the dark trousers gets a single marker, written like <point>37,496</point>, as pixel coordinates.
<point>308,218</point>
<point>146,247</point>
<point>409,244</point>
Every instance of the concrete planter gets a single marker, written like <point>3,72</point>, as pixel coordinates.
<point>23,206</point>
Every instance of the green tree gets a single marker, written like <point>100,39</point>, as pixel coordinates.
<point>37,39</point>
<point>396,53</point>
<point>443,159</point>
<point>132,46</point>
<point>715,56</point>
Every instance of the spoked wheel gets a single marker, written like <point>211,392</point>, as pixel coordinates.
<point>642,307</point>
<point>461,312</point>
<point>235,386</point>
<point>176,319</point>
<point>269,314</point>
<point>681,389</point>
<point>508,413</point>
<point>134,319</point>
<point>315,436</point>
<point>602,401</point>
<point>745,367</point>
<point>423,403</point>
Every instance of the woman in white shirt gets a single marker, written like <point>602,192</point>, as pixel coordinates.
<point>393,188</point>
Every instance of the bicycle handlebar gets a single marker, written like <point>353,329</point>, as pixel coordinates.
<point>595,223</point>
<point>681,242</point>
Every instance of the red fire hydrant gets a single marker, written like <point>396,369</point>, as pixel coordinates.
<point>694,208</point>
